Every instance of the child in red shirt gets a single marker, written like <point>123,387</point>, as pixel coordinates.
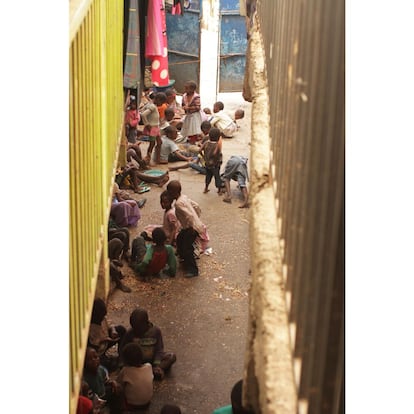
<point>132,118</point>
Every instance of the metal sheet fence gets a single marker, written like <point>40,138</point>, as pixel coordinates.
<point>95,125</point>
<point>304,57</point>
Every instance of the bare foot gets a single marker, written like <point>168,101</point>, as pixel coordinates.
<point>227,200</point>
<point>164,180</point>
<point>245,205</point>
<point>206,190</point>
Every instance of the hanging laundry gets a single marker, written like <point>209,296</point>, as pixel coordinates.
<point>132,70</point>
<point>156,43</point>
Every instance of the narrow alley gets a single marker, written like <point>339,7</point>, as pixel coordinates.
<point>203,319</point>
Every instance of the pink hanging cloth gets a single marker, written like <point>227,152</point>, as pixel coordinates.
<point>156,43</point>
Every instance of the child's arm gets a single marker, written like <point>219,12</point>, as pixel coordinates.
<point>218,146</point>
<point>196,207</point>
<point>194,106</point>
<point>203,145</point>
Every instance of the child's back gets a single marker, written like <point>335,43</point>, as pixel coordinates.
<point>136,377</point>
<point>158,256</point>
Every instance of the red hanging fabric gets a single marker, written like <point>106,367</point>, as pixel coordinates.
<point>156,42</point>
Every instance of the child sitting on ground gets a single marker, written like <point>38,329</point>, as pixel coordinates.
<point>103,336</point>
<point>158,257</point>
<point>222,120</point>
<point>97,378</point>
<point>135,378</point>
<point>149,338</point>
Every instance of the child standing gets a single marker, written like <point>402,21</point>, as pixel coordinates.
<point>135,378</point>
<point>151,119</point>
<point>213,159</point>
<point>149,338</point>
<point>157,257</point>
<point>192,108</point>
<point>132,118</point>
<point>160,100</point>
<point>192,228</point>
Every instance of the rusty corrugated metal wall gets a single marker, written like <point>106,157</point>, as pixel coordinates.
<point>296,75</point>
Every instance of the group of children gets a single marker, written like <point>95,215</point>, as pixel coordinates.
<point>140,357</point>
<point>141,360</point>
<point>158,110</point>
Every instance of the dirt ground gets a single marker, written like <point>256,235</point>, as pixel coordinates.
<point>203,319</point>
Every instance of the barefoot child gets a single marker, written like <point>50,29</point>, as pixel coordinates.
<point>192,107</point>
<point>213,159</point>
<point>192,228</point>
<point>151,119</point>
<point>236,169</point>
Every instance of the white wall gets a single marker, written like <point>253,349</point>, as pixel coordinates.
<point>209,46</point>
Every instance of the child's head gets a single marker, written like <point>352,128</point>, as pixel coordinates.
<point>207,111</point>
<point>171,94</point>
<point>160,98</point>
<point>91,360</point>
<point>132,354</point>
<point>139,321</point>
<point>190,86</point>
<point>218,106</point>
<point>133,104</point>
<point>98,311</point>
<point>174,189</point>
<point>236,399</point>
<point>171,132</point>
<point>169,114</point>
<point>159,236</point>
<point>239,114</point>
<point>166,200</point>
<point>170,409</point>
<point>205,127</point>
<point>214,134</point>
